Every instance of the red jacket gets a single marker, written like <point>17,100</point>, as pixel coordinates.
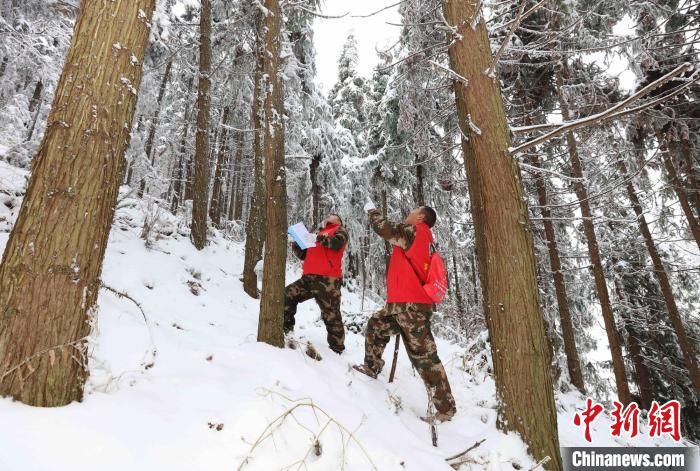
<point>323,261</point>
<point>402,283</point>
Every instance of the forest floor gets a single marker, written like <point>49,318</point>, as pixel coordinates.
<point>180,383</point>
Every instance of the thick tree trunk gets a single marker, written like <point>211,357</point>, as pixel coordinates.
<point>618,362</point>
<point>272,297</point>
<point>200,187</point>
<point>50,274</point>
<point>678,186</point>
<point>572,360</point>
<point>148,148</point>
<point>217,191</point>
<point>254,231</point>
<point>686,347</point>
<point>504,244</point>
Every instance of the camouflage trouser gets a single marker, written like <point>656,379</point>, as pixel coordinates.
<point>326,291</point>
<point>412,321</point>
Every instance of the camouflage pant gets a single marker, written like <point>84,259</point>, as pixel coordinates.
<point>326,291</point>
<point>412,321</point>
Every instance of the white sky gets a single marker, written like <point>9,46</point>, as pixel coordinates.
<point>374,33</point>
<point>330,34</point>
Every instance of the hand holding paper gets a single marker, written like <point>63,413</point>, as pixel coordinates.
<point>369,205</point>
<point>302,236</point>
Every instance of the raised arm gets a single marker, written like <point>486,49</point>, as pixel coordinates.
<point>395,233</point>
<point>336,241</point>
<point>301,254</point>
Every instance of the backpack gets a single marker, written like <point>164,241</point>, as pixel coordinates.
<point>435,284</point>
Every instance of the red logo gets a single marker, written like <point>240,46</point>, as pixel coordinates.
<point>662,420</point>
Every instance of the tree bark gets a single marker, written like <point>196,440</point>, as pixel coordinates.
<point>50,274</point>
<point>686,347</point>
<point>572,360</point>
<point>678,186</point>
<point>148,148</point>
<point>504,244</point>
<point>272,297</point>
<point>217,190</point>
<point>618,362</point>
<point>254,231</point>
<point>200,187</point>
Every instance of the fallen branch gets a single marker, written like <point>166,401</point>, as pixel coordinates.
<point>458,455</point>
<point>544,460</point>
<point>279,420</point>
<point>614,111</point>
<point>123,294</point>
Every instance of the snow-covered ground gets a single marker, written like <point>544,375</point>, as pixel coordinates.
<point>185,386</point>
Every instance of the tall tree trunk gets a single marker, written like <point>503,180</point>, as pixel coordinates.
<point>272,297</point>
<point>217,193</point>
<point>689,355</point>
<point>618,362</point>
<point>241,188</point>
<point>692,187</point>
<point>148,148</point>
<point>572,360</point>
<point>504,244</point>
<point>200,187</point>
<point>236,194</point>
<point>50,274</point>
<point>130,165</point>
<point>315,188</point>
<point>179,173</point>
<point>678,186</point>
<point>641,372</point>
<point>254,231</point>
<point>457,288</point>
<point>35,108</point>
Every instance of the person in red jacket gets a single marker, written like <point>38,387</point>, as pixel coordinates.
<point>321,279</point>
<point>408,308</point>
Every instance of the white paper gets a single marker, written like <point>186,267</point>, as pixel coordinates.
<point>302,236</point>
<point>369,205</point>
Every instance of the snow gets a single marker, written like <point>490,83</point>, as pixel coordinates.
<point>185,385</point>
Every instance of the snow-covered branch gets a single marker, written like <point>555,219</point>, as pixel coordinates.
<point>613,112</point>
